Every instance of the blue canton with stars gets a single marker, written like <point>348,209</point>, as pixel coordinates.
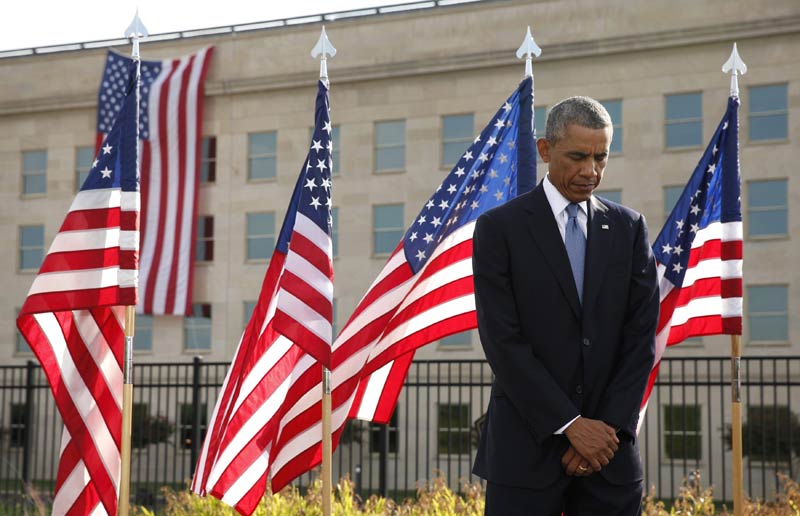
<point>112,91</point>
<point>115,163</point>
<point>500,164</point>
<point>712,195</point>
<point>312,193</point>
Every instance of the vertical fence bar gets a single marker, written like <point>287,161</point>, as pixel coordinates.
<point>27,435</point>
<point>196,365</point>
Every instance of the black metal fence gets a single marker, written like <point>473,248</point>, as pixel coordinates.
<point>434,429</point>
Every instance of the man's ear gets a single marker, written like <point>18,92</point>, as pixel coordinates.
<point>544,149</point>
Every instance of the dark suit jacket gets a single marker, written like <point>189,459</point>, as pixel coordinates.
<point>553,358</point>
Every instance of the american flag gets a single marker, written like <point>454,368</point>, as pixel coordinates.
<point>73,318</point>
<point>170,127</point>
<point>424,292</point>
<point>288,336</point>
<point>699,250</point>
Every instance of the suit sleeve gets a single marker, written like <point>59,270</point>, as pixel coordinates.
<point>525,381</point>
<point>622,399</point>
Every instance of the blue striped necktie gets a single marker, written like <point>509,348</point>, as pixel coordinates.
<point>575,242</point>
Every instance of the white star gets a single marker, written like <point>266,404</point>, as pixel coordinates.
<point>491,141</point>
<point>310,184</point>
<point>714,151</point>
<point>436,222</point>
<point>413,236</point>
<point>511,144</point>
<point>508,123</point>
<point>484,189</point>
<point>507,180</point>
<point>430,204</point>
<point>329,146</point>
<point>315,202</point>
<point>328,202</point>
<point>420,255</point>
<point>678,250</point>
<point>493,173</point>
<point>483,157</point>
<point>107,149</point>
<point>444,204</point>
<point>666,249</point>
<point>695,228</point>
<point>468,155</point>
<point>499,124</point>
<point>460,171</point>
<point>677,268</point>
<point>451,189</point>
<point>498,195</point>
<point>327,127</point>
<point>474,205</point>
<point>317,145</point>
<point>507,107</point>
<point>321,165</point>
<point>308,165</point>
<point>503,158</point>
<point>711,168</point>
<point>679,223</point>
<point>428,238</point>
<point>695,209</point>
<point>725,125</point>
<point>106,172</point>
<point>421,220</point>
<point>326,183</point>
<point>477,139</point>
<point>94,163</point>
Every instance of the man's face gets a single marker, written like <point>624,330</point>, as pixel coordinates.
<point>577,160</point>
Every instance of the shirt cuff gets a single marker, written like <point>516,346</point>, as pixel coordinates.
<point>561,430</point>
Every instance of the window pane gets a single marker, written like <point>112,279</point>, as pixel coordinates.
<point>336,154</point>
<point>260,223</point>
<point>197,328</point>
<point>208,159</point>
<point>204,243</point>
<point>611,195</point>
<point>262,151</point>
<point>768,298</point>
<point>768,313</point>
<point>34,161</point>
<point>540,120</point>
<point>389,216</point>
<point>766,193</point>
<point>387,227</point>
<point>249,306</point>
<point>768,328</point>
<point>452,152</point>
<point>390,158</point>
<point>768,127</point>
<point>260,248</point>
<point>767,223</point>
<point>682,106</point>
<point>614,108</point>
<point>390,145</point>
<point>457,127</point>
<point>263,143</point>
<point>768,98</point>
<point>767,213</point>
<point>22,344</point>
<point>671,196</point>
<point>31,251</point>
<point>32,236</point>
<point>84,156</point>
<point>390,133</point>
<point>35,184</point>
<point>34,172</point>
<point>459,339</point>
<point>260,235</point>
<point>335,231</point>
<point>143,339</point>
<point>386,241</point>
<point>684,134</point>
<point>262,168</point>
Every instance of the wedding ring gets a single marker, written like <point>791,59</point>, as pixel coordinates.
<point>583,468</point>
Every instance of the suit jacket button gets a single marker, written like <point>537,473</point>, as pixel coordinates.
<point>578,389</point>
<point>587,342</point>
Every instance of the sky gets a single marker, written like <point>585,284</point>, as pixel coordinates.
<point>36,23</point>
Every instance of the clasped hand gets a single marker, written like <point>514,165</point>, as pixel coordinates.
<point>592,446</point>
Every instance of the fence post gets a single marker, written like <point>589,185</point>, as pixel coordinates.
<point>383,466</point>
<point>196,421</point>
<point>27,435</point>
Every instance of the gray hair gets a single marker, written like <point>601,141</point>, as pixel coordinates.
<point>583,111</point>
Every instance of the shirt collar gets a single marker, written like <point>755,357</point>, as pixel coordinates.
<point>558,202</point>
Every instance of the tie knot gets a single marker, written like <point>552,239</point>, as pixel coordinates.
<point>572,210</point>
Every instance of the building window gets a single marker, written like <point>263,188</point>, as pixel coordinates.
<point>262,154</point>
<point>84,158</point>
<point>768,314</point>
<point>682,434</point>
<point>611,195</point>
<point>375,435</point>
<point>197,328</point>
<point>770,433</point>
<point>768,116</point>
<point>456,137</point>
<point>17,427</point>
<point>684,120</point>
<point>208,159</point>
<point>204,243</point>
<point>387,228</point>
<point>767,209</point>
<point>260,235</point>
<point>335,231</point>
<point>614,108</point>
<point>31,247</point>
<point>336,155</point>
<point>186,424</point>
<point>453,431</point>
<point>390,146</point>
<point>458,340</point>
<point>143,337</point>
<point>249,307</point>
<point>22,344</point>
<point>540,126</point>
<point>34,172</point>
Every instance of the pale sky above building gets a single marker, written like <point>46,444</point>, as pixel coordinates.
<point>36,23</point>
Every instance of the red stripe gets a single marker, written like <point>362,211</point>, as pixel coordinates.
<point>69,458</point>
<point>301,463</point>
<point>703,288</point>
<point>144,190</point>
<point>85,503</point>
<point>89,259</point>
<point>432,298</point>
<point>312,253</point>
<point>113,331</point>
<point>392,388</point>
<point>91,219</point>
<point>397,277</point>
<point>307,294</point>
<point>293,330</point>
<point>57,301</point>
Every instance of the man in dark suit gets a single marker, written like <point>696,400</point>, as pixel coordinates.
<point>567,303</point>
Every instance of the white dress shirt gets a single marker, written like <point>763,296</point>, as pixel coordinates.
<point>558,203</point>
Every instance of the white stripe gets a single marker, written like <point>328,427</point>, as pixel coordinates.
<point>71,489</point>
<point>712,268</point>
<point>373,391</point>
<point>96,199</point>
<point>81,396</point>
<point>304,315</point>
<point>247,479</point>
<point>82,280</point>
<point>151,218</point>
<point>262,367</point>
<point>129,240</point>
<point>172,176</point>
<point>452,272</point>
<point>725,232</point>
<point>131,201</point>
<point>309,229</point>
<point>98,348</point>
<point>85,239</point>
<point>312,276</point>
<point>705,307</point>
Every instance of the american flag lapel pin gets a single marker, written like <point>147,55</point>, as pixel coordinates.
<point>604,226</point>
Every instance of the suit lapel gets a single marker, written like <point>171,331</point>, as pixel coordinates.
<point>544,230</point>
<point>598,246</point>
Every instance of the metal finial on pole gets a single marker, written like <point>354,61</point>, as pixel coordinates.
<point>529,48</point>
<point>734,66</point>
<point>135,31</point>
<point>325,49</point>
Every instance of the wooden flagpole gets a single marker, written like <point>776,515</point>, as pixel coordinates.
<point>135,31</point>
<point>325,49</point>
